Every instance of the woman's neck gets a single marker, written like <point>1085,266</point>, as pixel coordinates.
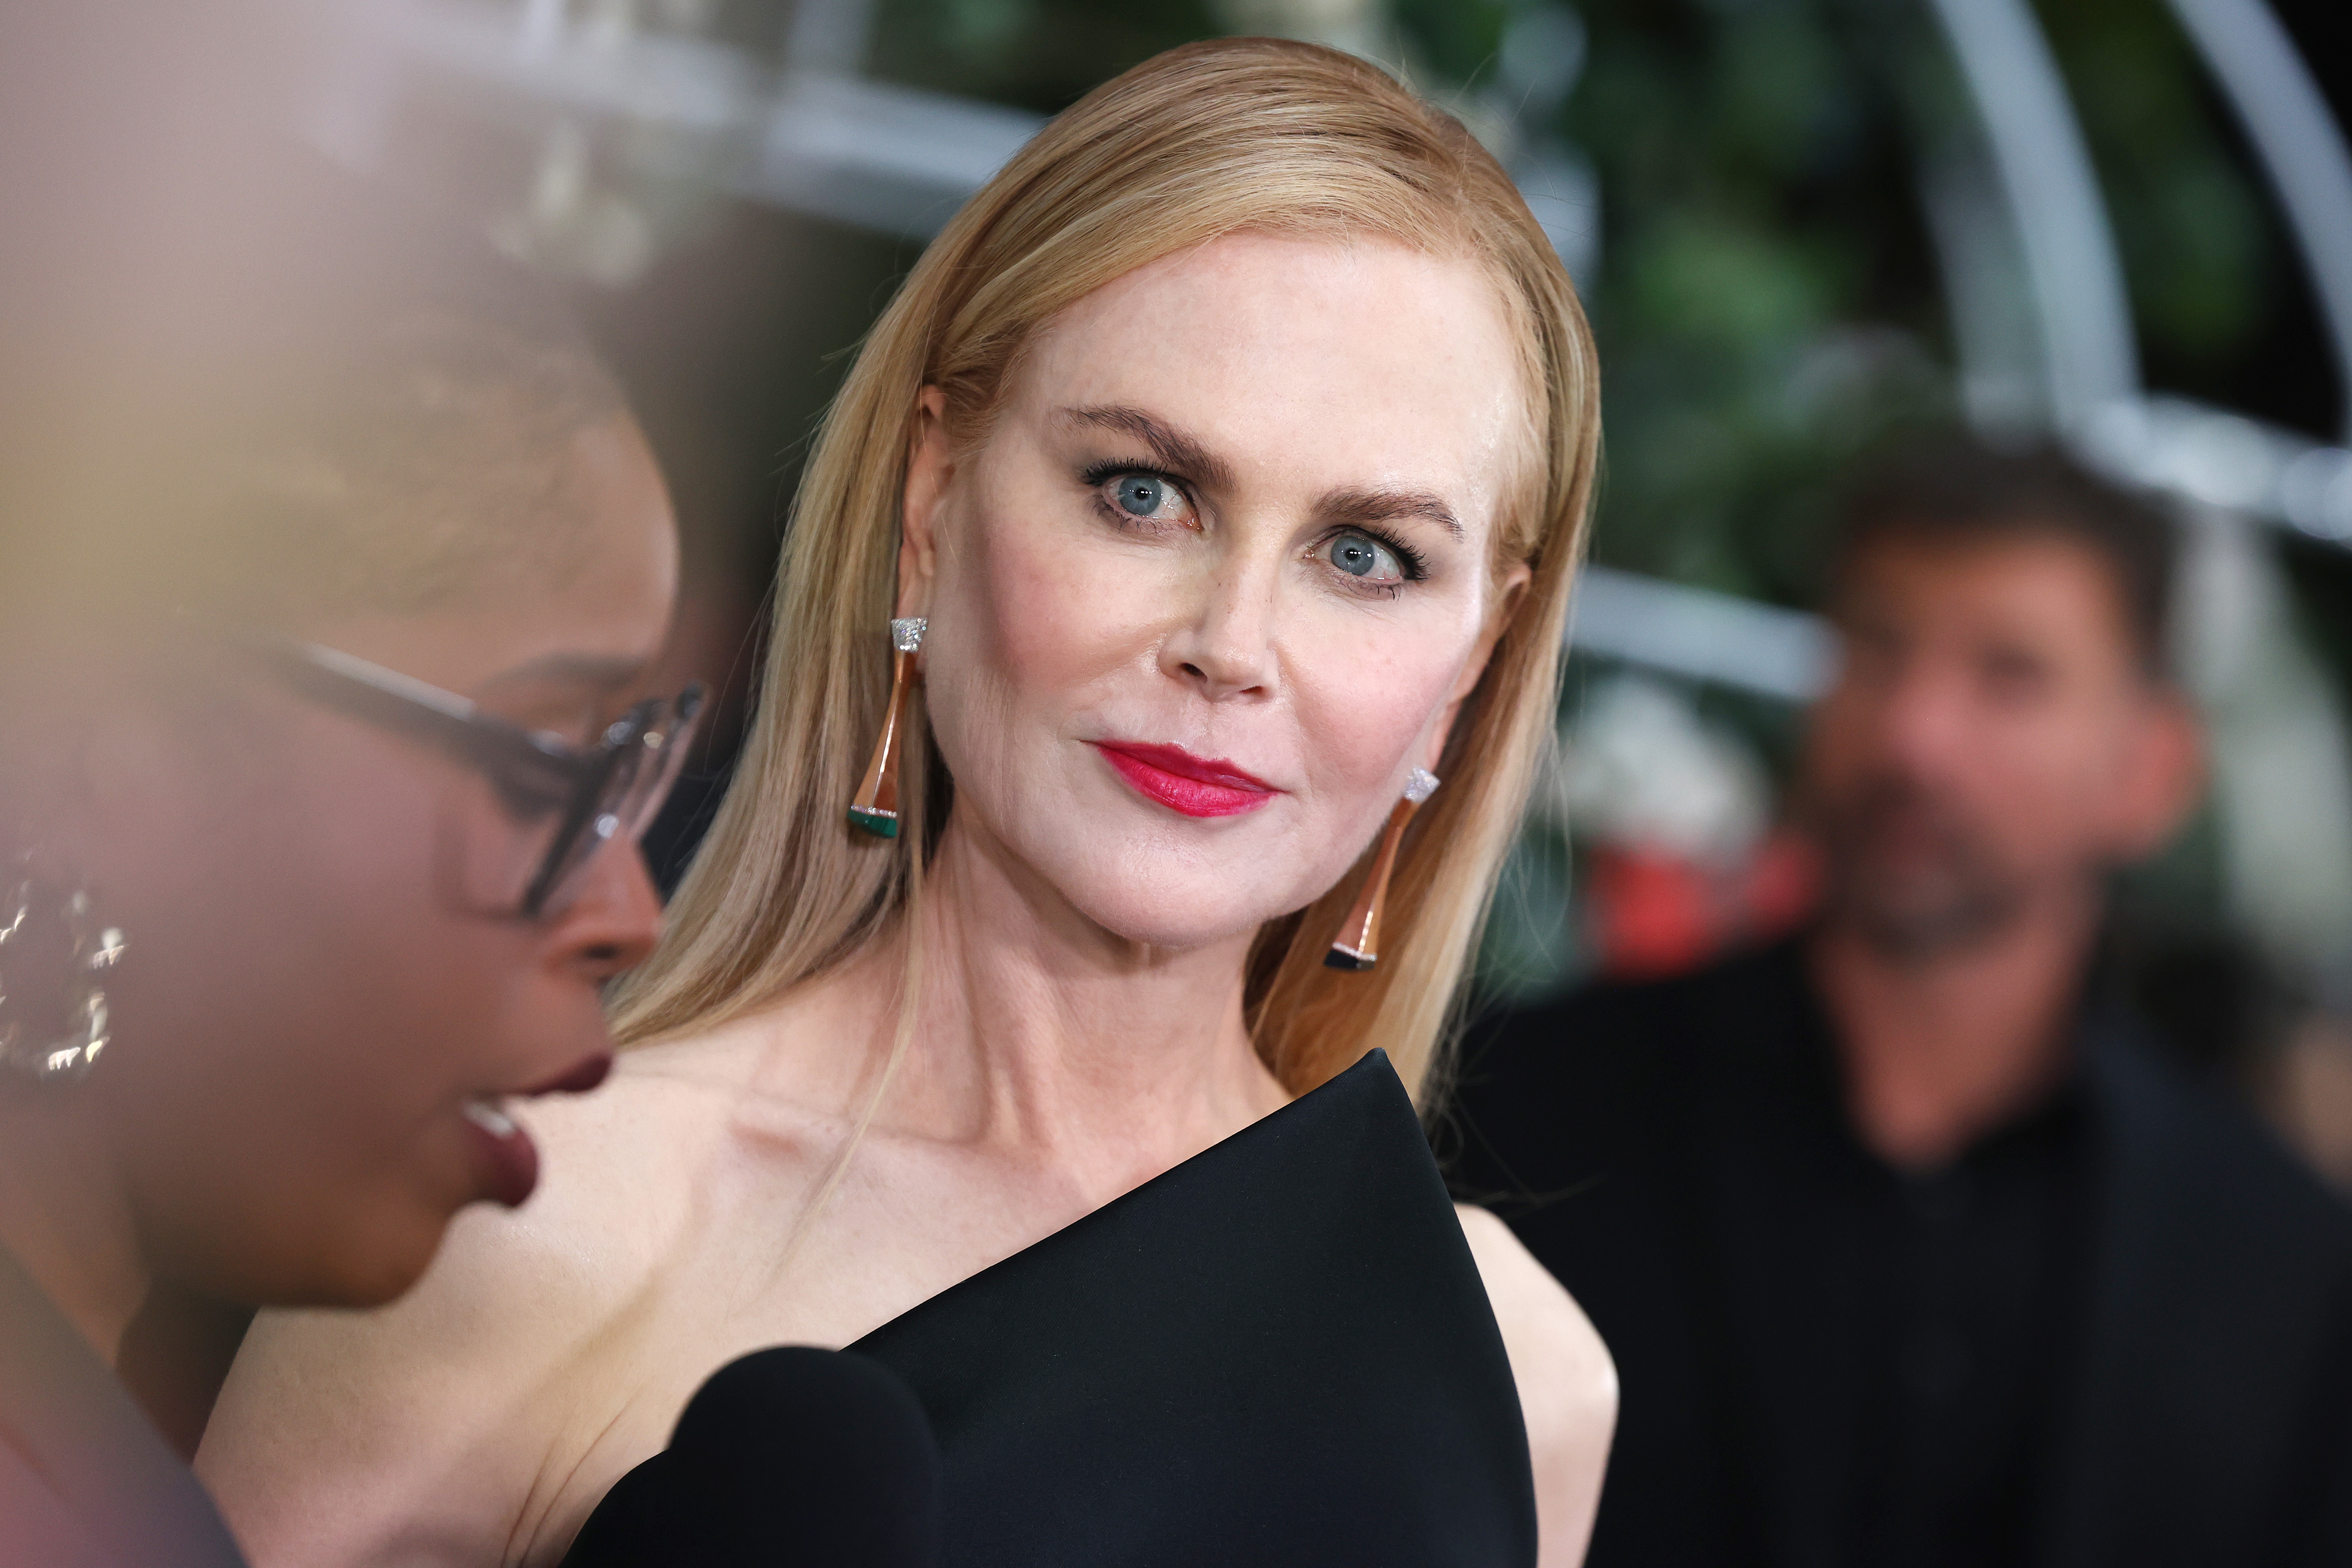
<point>1066,1047</point>
<point>64,1218</point>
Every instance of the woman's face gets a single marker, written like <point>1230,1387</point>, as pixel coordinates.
<point>313,1038</point>
<point>1215,583</point>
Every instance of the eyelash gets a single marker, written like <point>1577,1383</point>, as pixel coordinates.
<point>1096,475</point>
<point>1416,566</point>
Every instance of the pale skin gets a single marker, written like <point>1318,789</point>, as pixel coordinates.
<point>1996,685</point>
<point>1080,1026</point>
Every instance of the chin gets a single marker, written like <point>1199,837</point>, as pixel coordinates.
<point>1181,907</point>
<point>1172,884</point>
<point>1158,928</point>
<point>342,1271</point>
<point>371,1261</point>
<point>380,1279</point>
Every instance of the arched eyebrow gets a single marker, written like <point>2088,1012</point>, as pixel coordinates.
<point>1345,507</point>
<point>1187,458</point>
<point>1179,453</point>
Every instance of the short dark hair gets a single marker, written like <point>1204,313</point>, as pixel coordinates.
<point>1955,487</point>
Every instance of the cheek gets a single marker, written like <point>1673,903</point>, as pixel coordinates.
<point>1053,616</point>
<point>2086,766</point>
<point>1864,732</point>
<point>296,1123</point>
<point>1027,625</point>
<point>1367,715</point>
<point>2043,781</point>
<point>298,972</point>
<point>1369,697</point>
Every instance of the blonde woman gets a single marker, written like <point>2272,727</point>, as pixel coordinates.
<point>1215,478</point>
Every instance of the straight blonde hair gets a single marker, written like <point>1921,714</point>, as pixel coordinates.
<point>1208,140</point>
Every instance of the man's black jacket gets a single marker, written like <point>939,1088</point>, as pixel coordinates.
<point>2200,1412</point>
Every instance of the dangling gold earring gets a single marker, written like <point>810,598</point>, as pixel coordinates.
<point>1358,944</point>
<point>875,809</point>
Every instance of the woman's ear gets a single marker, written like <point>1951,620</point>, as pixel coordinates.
<point>930,465</point>
<point>1509,592</point>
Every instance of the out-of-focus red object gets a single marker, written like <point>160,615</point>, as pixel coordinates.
<point>1653,914</point>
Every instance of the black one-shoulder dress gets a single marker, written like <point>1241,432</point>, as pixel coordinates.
<point>1278,1353</point>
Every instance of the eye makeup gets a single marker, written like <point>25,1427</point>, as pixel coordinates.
<point>1138,481</point>
<point>1411,564</point>
<point>1144,478</point>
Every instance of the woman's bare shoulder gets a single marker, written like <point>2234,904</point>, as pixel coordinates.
<point>1568,1384</point>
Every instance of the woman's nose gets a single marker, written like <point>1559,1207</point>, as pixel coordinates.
<point>1226,646</point>
<point>613,923</point>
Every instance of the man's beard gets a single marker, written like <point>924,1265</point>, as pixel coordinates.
<point>1944,890</point>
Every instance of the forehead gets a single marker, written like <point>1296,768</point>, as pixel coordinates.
<point>2059,592</point>
<point>1341,361</point>
<point>608,602</point>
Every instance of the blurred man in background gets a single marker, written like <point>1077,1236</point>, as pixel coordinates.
<point>1909,1247</point>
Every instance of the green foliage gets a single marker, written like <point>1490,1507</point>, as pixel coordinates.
<point>1042,55</point>
<point>1765,305</point>
<point>2199,248</point>
<point>1455,40</point>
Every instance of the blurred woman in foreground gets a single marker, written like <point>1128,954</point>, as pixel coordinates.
<point>1215,480</point>
<point>333,562</point>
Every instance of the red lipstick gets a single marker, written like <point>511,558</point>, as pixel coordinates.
<point>1197,787</point>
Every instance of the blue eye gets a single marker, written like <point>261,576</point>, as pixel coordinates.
<point>1362,555</point>
<point>1140,495</point>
